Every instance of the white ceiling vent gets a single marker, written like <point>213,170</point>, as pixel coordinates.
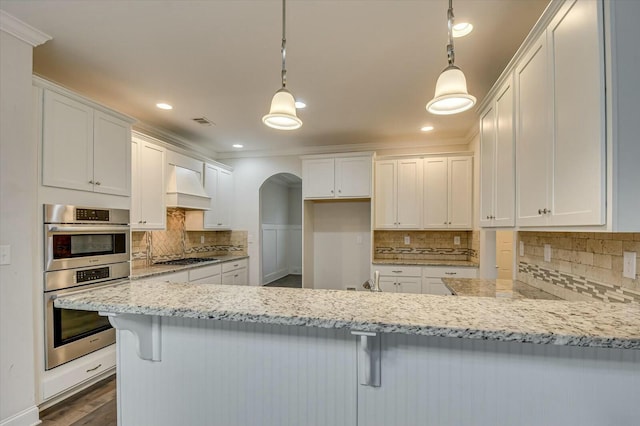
<point>204,121</point>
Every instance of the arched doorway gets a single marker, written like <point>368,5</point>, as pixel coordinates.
<point>281,231</point>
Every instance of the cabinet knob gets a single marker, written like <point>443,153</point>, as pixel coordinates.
<point>445,223</point>
<point>332,191</point>
<point>449,223</point>
<point>540,211</point>
<point>139,221</point>
<point>91,182</point>
<point>339,191</point>
<point>144,221</point>
<point>219,224</point>
<point>97,183</point>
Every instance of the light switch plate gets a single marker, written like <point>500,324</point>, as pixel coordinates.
<point>547,252</point>
<point>629,268</point>
<point>407,239</point>
<point>456,241</point>
<point>201,239</point>
<point>5,255</point>
<point>521,248</point>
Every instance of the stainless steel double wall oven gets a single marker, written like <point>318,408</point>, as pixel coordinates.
<point>84,248</point>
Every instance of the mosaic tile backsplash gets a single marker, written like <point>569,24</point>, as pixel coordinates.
<point>424,245</point>
<point>149,247</point>
<point>583,266</point>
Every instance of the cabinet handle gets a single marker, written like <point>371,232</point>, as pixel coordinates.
<point>339,191</point>
<point>449,223</point>
<point>219,224</point>
<point>450,273</point>
<point>94,368</point>
<point>144,221</point>
<point>91,182</point>
<point>396,272</point>
<point>236,275</point>
<point>139,221</point>
<point>445,223</point>
<point>97,183</point>
<point>332,191</point>
<point>540,211</point>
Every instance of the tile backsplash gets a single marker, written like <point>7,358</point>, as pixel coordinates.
<point>583,265</point>
<point>175,242</point>
<point>425,245</point>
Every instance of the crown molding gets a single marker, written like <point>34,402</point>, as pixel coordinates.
<point>21,30</point>
<point>174,140</point>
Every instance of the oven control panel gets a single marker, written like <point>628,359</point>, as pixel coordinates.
<point>92,214</point>
<point>92,274</point>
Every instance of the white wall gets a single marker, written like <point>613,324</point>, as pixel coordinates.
<point>275,203</point>
<point>18,211</point>
<point>249,175</point>
<point>342,234</point>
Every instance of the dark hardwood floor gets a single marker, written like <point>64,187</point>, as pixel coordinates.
<point>95,406</point>
<point>292,281</point>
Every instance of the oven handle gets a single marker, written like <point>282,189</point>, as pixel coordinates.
<point>86,229</point>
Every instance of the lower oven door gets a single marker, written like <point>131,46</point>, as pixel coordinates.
<point>70,333</point>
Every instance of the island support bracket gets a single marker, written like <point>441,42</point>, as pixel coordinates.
<point>369,357</point>
<point>147,330</point>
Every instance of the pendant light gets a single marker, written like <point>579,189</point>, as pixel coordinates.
<point>451,95</point>
<point>282,114</point>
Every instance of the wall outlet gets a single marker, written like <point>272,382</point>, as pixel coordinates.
<point>407,239</point>
<point>629,262</point>
<point>521,248</point>
<point>5,255</point>
<point>456,241</point>
<point>201,239</point>
<point>547,252</point>
<point>359,240</point>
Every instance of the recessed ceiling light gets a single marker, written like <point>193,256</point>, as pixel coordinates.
<point>462,29</point>
<point>427,128</point>
<point>300,105</point>
<point>163,105</point>
<point>237,145</point>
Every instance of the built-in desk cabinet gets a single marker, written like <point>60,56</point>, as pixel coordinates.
<point>84,146</point>
<point>148,209</point>
<point>344,176</point>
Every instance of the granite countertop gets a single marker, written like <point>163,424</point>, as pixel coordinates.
<point>594,324</point>
<point>465,263</point>
<point>154,270</point>
<point>500,288</point>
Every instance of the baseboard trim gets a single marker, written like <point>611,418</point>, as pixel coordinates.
<point>28,417</point>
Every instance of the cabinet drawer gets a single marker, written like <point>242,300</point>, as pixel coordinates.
<point>232,266</point>
<point>449,272</point>
<point>398,270</point>
<point>176,277</point>
<point>205,272</point>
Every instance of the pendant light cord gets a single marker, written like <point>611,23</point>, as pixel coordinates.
<point>450,18</point>
<point>284,44</point>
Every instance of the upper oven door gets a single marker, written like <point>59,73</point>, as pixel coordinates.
<point>75,246</point>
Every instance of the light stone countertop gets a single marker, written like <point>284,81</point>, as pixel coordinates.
<point>597,324</point>
<point>500,288</point>
<point>462,263</point>
<point>155,270</point>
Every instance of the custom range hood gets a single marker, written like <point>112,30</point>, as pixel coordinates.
<point>185,190</point>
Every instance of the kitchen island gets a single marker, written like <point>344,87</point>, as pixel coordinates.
<point>237,355</point>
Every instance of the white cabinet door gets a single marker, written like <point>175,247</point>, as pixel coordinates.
<point>318,178</point>
<point>147,186</point>
<point>385,199</point>
<point>411,285</point>
<point>388,285</point>
<point>67,149</point>
<point>353,177</point>
<point>237,277</point>
<point>218,184</point>
<point>504,186</point>
<point>460,192</point>
<point>487,166</point>
<point>577,194</point>
<point>112,153</point>
<point>534,136</point>
<point>435,193</point>
<point>409,193</point>
<point>435,286</point>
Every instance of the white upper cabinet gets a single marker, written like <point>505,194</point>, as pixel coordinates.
<point>560,122</point>
<point>346,176</point>
<point>84,148</point>
<point>148,209</point>
<point>398,191</point>
<point>447,193</point>
<point>497,160</point>
<point>218,184</point>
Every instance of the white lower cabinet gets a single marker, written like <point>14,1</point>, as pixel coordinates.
<point>211,274</point>
<point>235,273</point>
<point>420,279</point>
<point>176,277</point>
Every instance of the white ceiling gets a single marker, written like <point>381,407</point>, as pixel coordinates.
<point>366,69</point>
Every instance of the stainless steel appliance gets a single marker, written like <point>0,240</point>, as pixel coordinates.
<point>80,236</point>
<point>85,248</point>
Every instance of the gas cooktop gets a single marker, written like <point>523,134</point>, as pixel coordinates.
<point>187,261</point>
